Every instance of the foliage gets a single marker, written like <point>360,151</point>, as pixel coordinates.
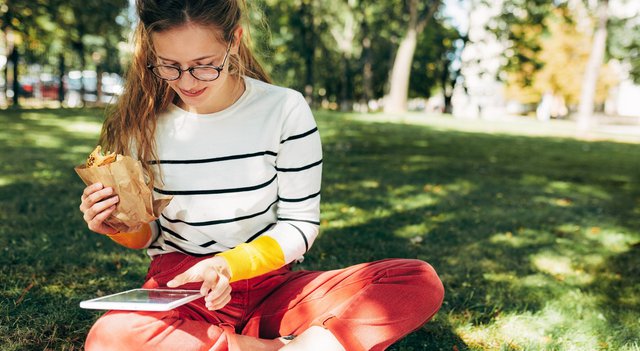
<point>547,50</point>
<point>49,32</point>
<point>520,24</point>
<point>624,44</point>
<point>563,51</point>
<point>334,40</point>
<point>435,51</point>
<point>537,239</point>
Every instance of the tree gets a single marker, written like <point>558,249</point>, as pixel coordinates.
<point>341,51</point>
<point>419,17</point>
<point>431,69</point>
<point>624,43</point>
<point>92,28</point>
<point>521,25</point>
<point>15,21</point>
<point>596,58</point>
<point>564,52</point>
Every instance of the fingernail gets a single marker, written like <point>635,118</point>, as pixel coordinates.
<point>116,199</point>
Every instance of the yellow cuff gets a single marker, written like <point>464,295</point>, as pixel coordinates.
<point>133,240</point>
<point>250,260</point>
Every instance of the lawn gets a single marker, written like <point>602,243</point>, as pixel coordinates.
<point>537,239</point>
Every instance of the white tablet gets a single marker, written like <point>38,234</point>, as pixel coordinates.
<point>143,300</point>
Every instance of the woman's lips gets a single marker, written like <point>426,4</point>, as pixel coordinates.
<point>192,93</point>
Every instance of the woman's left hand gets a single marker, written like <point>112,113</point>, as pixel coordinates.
<point>214,273</point>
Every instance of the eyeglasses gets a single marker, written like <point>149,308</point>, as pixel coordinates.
<point>205,73</point>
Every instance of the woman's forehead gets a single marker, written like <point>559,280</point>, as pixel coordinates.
<point>188,42</point>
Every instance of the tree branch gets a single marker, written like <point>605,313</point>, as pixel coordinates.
<point>427,15</point>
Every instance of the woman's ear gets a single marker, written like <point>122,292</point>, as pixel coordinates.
<point>237,39</point>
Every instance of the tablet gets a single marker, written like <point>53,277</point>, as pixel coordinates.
<point>143,300</point>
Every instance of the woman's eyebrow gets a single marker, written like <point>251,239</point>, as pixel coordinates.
<point>196,59</point>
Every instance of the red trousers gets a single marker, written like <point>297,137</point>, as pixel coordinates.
<point>366,307</point>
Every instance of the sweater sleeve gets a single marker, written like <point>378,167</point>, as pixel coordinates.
<point>299,170</point>
<point>139,239</point>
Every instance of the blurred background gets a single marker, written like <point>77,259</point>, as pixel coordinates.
<point>565,59</point>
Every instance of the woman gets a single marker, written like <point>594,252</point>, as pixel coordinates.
<point>243,160</point>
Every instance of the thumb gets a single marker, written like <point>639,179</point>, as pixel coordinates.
<point>181,279</point>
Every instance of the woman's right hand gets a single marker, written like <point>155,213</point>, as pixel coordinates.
<point>97,205</point>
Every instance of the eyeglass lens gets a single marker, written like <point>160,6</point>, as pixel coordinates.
<point>173,73</point>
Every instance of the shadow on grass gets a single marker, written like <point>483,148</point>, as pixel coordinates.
<point>535,239</point>
<point>516,226</point>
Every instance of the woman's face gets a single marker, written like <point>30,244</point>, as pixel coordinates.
<point>192,45</point>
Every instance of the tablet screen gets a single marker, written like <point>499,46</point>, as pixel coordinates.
<point>143,299</point>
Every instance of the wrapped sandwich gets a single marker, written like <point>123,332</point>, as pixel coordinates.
<point>125,175</point>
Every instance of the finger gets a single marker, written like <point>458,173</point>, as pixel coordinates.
<point>214,296</point>
<point>205,289</point>
<point>187,277</point>
<point>91,189</point>
<point>97,225</point>
<point>95,197</point>
<point>220,303</point>
<point>220,287</point>
<point>100,207</point>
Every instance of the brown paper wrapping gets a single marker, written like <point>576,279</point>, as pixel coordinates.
<point>137,205</point>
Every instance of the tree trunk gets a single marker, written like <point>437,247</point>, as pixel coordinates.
<point>99,70</point>
<point>15,58</point>
<point>396,102</point>
<point>346,95</point>
<point>367,66</point>
<point>596,58</point>
<point>61,73</point>
<point>308,48</point>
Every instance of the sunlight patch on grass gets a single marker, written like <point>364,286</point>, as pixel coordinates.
<point>341,215</point>
<point>415,232</point>
<point>568,323</point>
<point>553,201</point>
<point>369,184</point>
<point>612,240</point>
<point>537,280</point>
<point>60,290</point>
<point>567,229</point>
<point>509,239</point>
<point>459,187</point>
<point>4,180</point>
<point>91,128</point>
<point>553,264</point>
<point>561,268</point>
<point>44,140</point>
<point>580,191</point>
<point>67,124</point>
<point>522,238</point>
<point>412,202</point>
<point>508,277</point>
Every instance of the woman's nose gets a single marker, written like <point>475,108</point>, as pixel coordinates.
<point>187,81</point>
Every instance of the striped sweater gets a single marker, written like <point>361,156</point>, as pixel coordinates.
<point>245,181</point>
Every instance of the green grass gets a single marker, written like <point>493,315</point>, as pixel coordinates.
<point>537,239</point>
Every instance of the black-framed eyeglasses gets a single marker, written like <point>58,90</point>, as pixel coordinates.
<point>205,73</point>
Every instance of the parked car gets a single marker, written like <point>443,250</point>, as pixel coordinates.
<point>49,86</point>
<point>27,86</point>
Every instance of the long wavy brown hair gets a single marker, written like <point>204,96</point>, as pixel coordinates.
<point>130,125</point>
